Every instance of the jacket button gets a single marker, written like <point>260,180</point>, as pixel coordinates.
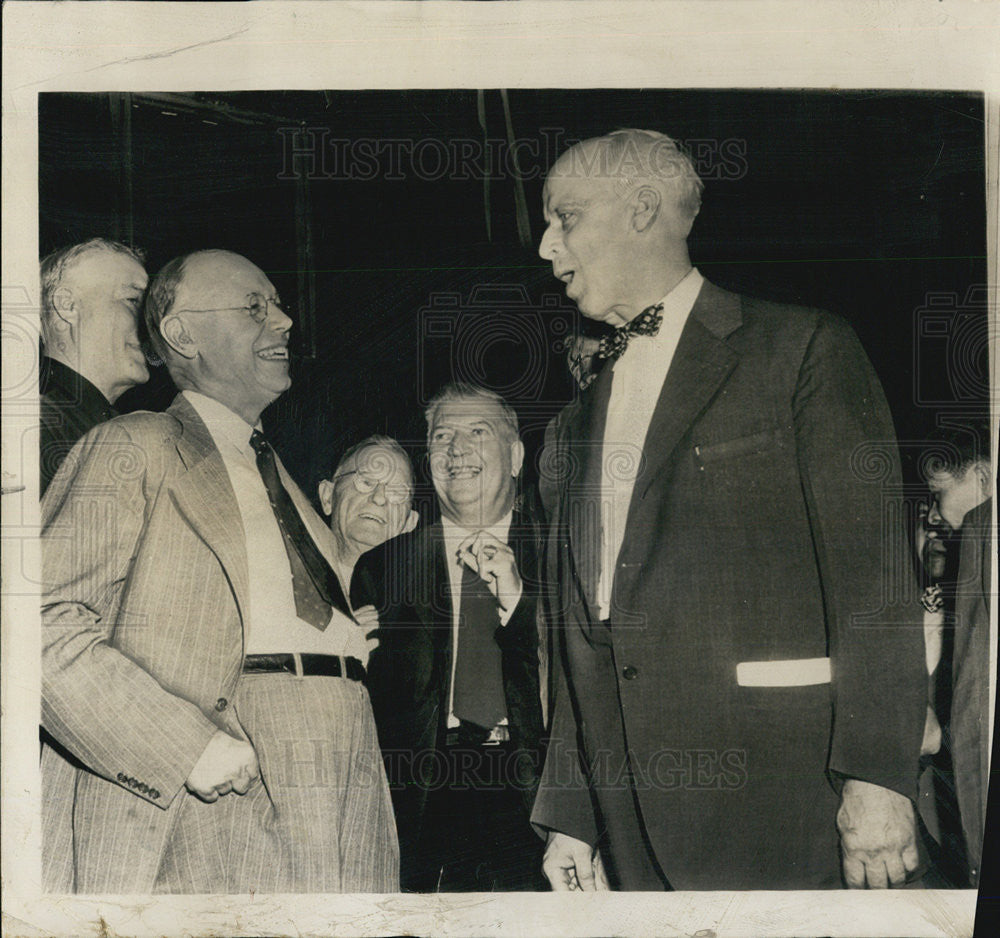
<point>221,704</point>
<point>630,673</point>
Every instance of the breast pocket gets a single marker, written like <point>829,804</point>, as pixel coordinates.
<point>707,454</point>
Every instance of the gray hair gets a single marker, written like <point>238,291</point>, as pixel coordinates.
<point>55,265</point>
<point>462,391</point>
<point>632,156</point>
<point>160,300</point>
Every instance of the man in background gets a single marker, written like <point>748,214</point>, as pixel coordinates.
<point>91,301</point>
<point>456,681</point>
<point>959,474</point>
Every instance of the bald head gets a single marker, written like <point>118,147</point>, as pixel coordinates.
<point>619,209</point>
<point>216,319</point>
<point>631,158</point>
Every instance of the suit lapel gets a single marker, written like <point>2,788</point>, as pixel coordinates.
<point>204,496</point>
<point>700,365</point>
<point>583,456</point>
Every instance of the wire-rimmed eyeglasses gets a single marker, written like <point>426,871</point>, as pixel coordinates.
<point>257,307</point>
<point>395,493</point>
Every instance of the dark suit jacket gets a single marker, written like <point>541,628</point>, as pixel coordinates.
<point>970,741</point>
<point>761,528</point>
<point>70,407</point>
<point>409,673</point>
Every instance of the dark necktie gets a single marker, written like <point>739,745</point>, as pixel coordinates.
<point>478,692</point>
<point>646,323</point>
<point>310,570</point>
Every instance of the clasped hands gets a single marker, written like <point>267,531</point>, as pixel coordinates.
<point>495,564</point>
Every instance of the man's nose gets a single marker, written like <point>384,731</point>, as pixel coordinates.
<point>277,318</point>
<point>934,516</point>
<point>548,244</point>
<point>378,493</point>
<point>458,444</point>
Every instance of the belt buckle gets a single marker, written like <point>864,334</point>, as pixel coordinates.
<point>499,734</point>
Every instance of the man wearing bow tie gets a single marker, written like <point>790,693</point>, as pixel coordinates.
<point>736,686</point>
<point>202,677</point>
<point>456,680</point>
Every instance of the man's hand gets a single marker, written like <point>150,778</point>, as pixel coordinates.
<point>226,764</point>
<point>570,864</point>
<point>495,563</point>
<point>367,619</point>
<point>878,835</point>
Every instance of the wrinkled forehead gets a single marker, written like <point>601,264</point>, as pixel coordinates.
<point>219,278</point>
<point>463,414</point>
<point>378,462</point>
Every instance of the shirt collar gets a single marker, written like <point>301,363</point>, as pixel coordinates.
<point>680,300</point>
<point>55,378</point>
<point>222,423</point>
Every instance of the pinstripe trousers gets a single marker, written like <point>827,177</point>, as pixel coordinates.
<point>320,818</point>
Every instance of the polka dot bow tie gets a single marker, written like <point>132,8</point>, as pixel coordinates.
<point>646,323</point>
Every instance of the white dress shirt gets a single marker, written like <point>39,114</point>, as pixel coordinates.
<point>270,626</point>
<point>453,537</point>
<point>637,379</point>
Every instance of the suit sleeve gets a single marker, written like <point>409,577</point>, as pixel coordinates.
<point>850,474</point>
<point>96,702</point>
<point>563,803</point>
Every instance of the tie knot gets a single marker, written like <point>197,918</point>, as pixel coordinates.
<point>646,323</point>
<point>259,442</point>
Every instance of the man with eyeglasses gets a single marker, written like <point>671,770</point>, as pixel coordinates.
<point>368,500</point>
<point>91,300</point>
<point>201,668</point>
<point>456,680</point>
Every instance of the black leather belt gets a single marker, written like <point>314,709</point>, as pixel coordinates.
<point>312,666</point>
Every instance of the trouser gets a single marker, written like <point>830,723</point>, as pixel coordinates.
<point>476,833</point>
<point>319,819</point>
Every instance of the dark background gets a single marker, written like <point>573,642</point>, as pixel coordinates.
<point>869,204</point>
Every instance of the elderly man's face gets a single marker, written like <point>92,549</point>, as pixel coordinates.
<point>369,498</point>
<point>473,462</point>
<point>107,288</point>
<point>242,363</point>
<point>588,241</point>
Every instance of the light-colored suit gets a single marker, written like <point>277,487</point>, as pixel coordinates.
<point>144,598</point>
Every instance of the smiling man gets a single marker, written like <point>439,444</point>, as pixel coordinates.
<point>735,688</point>
<point>201,672</point>
<point>456,679</point>
<point>91,301</point>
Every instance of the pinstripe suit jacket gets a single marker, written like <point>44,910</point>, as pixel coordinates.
<point>144,591</point>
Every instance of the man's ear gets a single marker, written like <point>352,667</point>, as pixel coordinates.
<point>646,202</point>
<point>66,308</point>
<point>177,337</point>
<point>984,473</point>
<point>326,496</point>
<point>516,458</point>
<point>411,522</point>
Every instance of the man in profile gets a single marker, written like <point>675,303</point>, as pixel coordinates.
<point>959,475</point>
<point>734,689</point>
<point>91,301</point>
